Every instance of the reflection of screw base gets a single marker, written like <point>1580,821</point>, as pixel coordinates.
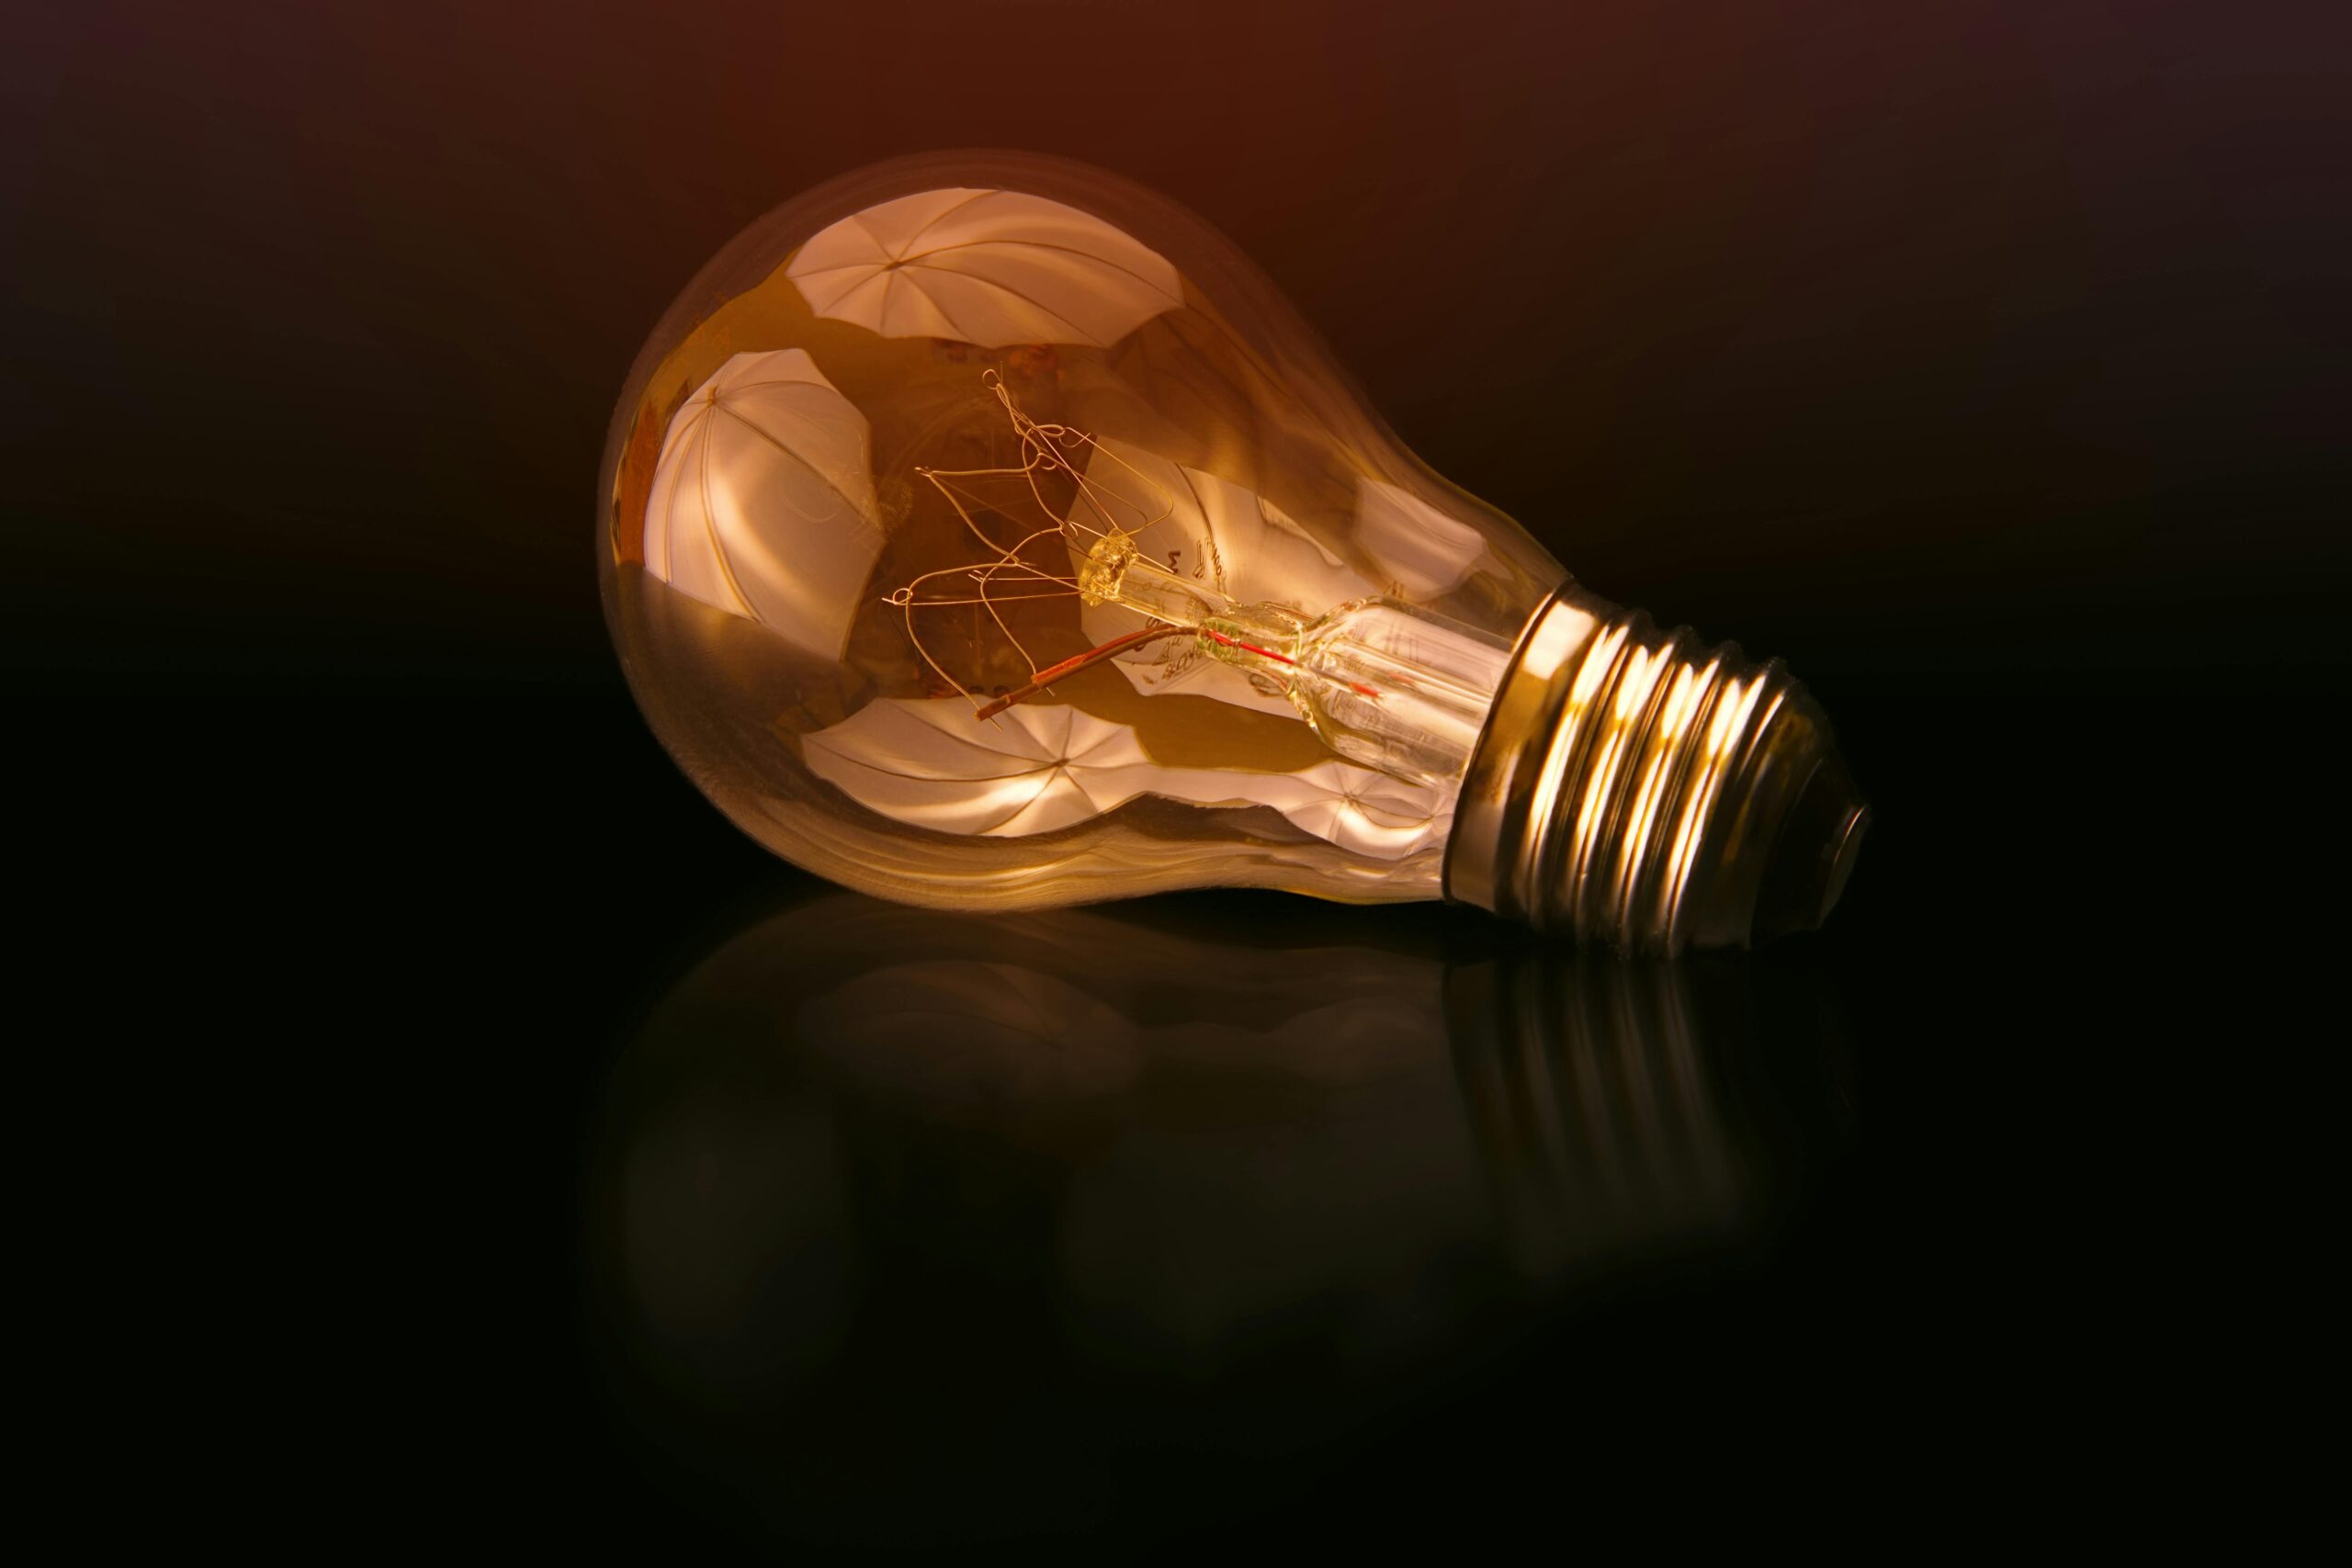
<point>1598,1104</point>
<point>1637,788</point>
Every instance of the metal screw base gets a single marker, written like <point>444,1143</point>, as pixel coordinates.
<point>1642,790</point>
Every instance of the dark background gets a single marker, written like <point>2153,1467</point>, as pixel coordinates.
<point>1986,361</point>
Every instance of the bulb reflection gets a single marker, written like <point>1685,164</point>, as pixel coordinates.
<point>871,1165</point>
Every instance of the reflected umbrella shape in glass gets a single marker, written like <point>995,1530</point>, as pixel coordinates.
<point>767,452</point>
<point>869,1158</point>
<point>993,269</point>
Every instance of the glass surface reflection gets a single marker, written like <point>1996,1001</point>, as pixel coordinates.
<point>1081,1183</point>
<point>982,530</point>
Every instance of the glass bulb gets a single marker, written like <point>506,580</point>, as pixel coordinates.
<point>984,531</point>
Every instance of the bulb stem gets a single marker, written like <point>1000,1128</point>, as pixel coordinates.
<point>1643,790</point>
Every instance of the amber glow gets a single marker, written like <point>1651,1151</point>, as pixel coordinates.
<point>985,532</point>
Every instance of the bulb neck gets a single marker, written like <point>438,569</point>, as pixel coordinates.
<point>1640,789</point>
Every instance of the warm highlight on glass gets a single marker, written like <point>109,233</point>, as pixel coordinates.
<point>984,531</point>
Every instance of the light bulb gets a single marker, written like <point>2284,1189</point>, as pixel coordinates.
<point>983,531</point>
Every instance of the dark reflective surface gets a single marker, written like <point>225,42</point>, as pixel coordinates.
<point>1974,358</point>
<point>904,1225</point>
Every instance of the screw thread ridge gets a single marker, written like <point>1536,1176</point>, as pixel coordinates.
<point>1642,789</point>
